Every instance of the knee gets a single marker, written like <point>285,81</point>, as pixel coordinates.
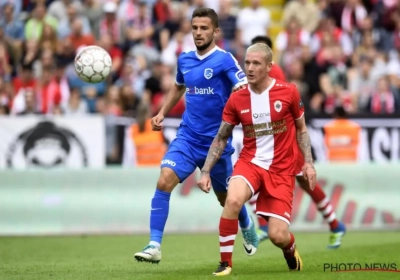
<point>167,181</point>
<point>233,204</point>
<point>278,235</point>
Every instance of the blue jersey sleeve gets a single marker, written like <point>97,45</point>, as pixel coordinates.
<point>179,76</point>
<point>234,71</point>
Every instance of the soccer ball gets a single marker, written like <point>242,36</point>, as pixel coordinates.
<point>93,64</point>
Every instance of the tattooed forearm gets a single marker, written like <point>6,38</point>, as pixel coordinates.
<point>303,139</point>
<point>218,146</point>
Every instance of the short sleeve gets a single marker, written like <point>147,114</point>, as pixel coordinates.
<point>296,106</point>
<point>234,71</point>
<point>230,115</point>
<point>179,76</point>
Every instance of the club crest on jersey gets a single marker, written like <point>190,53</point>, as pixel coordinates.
<point>208,73</point>
<point>278,106</point>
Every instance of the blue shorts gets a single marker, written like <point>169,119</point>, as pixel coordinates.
<point>184,157</point>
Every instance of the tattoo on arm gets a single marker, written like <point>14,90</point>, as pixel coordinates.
<point>218,146</point>
<point>303,139</point>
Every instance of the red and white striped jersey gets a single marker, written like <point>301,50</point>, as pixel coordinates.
<point>268,123</point>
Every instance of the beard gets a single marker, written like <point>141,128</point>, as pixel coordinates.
<point>205,46</point>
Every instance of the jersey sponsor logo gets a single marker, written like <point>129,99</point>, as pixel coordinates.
<point>278,106</point>
<point>240,75</point>
<point>208,73</point>
<point>168,162</point>
<point>196,90</point>
<point>260,115</point>
<point>245,111</point>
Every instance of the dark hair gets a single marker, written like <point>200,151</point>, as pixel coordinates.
<point>340,112</point>
<point>206,12</point>
<point>263,40</point>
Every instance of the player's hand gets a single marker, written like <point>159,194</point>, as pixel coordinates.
<point>205,182</point>
<point>310,175</point>
<point>156,122</point>
<point>239,88</point>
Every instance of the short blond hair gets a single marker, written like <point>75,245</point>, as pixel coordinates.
<point>263,48</point>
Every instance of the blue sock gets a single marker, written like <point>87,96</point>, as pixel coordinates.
<point>158,216</point>
<point>244,219</point>
<point>264,229</point>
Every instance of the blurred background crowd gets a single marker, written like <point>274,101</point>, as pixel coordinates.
<point>338,52</point>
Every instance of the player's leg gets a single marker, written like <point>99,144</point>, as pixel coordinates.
<point>262,231</point>
<point>281,237</point>
<point>175,167</point>
<point>275,203</point>
<point>243,183</point>
<point>324,206</point>
<point>219,176</point>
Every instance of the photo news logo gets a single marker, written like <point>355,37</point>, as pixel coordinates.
<point>349,267</point>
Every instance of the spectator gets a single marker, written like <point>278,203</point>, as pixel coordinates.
<point>13,28</point>
<point>142,145</point>
<point>111,24</point>
<point>34,26</point>
<point>58,9</point>
<point>383,99</point>
<point>24,82</point>
<point>294,33</point>
<point>308,17</point>
<point>75,105</point>
<point>93,12</point>
<point>140,29</point>
<point>129,101</point>
<point>227,21</point>
<point>48,40</point>
<point>342,138</point>
<point>353,15</point>
<point>66,24</point>
<point>362,83</point>
<point>30,103</point>
<point>251,22</point>
<point>78,37</point>
<point>159,99</point>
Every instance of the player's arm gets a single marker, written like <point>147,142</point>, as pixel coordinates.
<point>217,146</point>
<point>229,120</point>
<point>303,140</point>
<point>234,72</point>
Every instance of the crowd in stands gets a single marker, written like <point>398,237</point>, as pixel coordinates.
<point>337,52</point>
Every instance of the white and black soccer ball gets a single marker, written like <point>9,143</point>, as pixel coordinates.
<point>93,64</point>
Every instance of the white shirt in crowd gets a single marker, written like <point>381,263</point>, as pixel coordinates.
<point>252,23</point>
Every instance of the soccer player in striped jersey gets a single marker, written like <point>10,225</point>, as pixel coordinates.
<point>272,117</point>
<point>318,196</point>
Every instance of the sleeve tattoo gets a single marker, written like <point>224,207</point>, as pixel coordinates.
<point>217,146</point>
<point>303,140</point>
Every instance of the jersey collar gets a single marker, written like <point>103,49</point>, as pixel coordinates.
<point>267,90</point>
<point>210,52</point>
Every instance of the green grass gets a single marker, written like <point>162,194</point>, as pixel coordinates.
<point>188,257</point>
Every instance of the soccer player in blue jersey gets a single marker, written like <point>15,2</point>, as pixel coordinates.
<point>207,76</point>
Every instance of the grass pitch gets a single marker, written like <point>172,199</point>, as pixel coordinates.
<point>187,257</point>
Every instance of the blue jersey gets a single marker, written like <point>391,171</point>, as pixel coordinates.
<point>209,80</point>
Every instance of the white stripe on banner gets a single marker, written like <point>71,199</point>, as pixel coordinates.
<point>318,123</point>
